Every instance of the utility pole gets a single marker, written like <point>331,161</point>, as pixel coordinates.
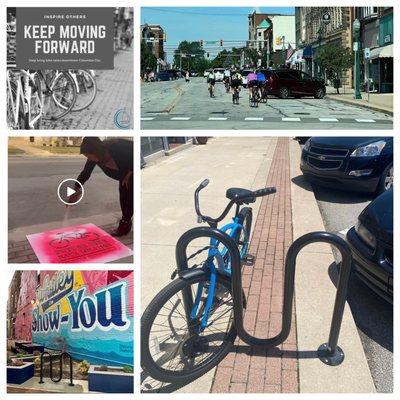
<point>356,49</point>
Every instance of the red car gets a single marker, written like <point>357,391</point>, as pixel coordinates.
<point>286,83</point>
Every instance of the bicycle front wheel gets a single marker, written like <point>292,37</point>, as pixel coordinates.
<point>169,352</point>
<point>87,90</point>
<point>59,96</point>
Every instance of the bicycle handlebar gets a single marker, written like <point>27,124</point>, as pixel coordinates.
<point>214,221</point>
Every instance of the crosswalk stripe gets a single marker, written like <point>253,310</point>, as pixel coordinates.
<point>180,118</point>
<point>217,118</point>
<point>328,119</point>
<point>254,119</point>
<point>364,120</point>
<point>289,119</point>
<point>147,118</point>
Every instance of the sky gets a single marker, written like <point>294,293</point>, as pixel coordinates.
<point>204,23</point>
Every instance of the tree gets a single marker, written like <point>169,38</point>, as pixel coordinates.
<point>147,59</point>
<point>335,59</point>
<point>190,55</point>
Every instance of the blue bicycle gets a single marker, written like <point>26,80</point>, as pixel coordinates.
<point>188,328</point>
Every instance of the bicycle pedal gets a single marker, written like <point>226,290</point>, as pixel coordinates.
<point>249,260</point>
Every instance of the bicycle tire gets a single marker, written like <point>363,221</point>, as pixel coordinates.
<point>21,121</point>
<point>39,95</point>
<point>93,87</point>
<point>245,218</point>
<point>149,365</point>
<point>68,107</point>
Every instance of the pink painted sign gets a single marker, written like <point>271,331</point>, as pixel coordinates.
<point>77,244</point>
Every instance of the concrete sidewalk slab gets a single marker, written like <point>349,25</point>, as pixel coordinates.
<point>315,292</point>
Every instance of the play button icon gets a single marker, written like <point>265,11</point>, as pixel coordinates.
<point>70,187</point>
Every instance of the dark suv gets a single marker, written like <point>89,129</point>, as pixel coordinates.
<point>290,82</point>
<point>352,163</point>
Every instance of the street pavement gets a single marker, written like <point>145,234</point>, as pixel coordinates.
<point>180,105</point>
<point>114,92</point>
<point>373,316</point>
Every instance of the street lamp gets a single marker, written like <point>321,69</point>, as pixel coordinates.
<point>356,49</point>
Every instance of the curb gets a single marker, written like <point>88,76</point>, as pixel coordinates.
<point>315,293</point>
<point>356,103</point>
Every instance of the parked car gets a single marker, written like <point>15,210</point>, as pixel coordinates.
<point>244,74</point>
<point>219,74</point>
<point>163,76</point>
<point>174,73</point>
<point>206,73</point>
<point>193,73</point>
<point>353,163</point>
<point>371,243</point>
<point>286,82</point>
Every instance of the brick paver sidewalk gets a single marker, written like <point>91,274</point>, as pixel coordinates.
<point>114,92</point>
<point>248,369</point>
<point>22,252</point>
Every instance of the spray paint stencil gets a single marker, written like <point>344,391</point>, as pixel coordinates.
<point>77,244</point>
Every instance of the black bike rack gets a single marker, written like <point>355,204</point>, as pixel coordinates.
<point>329,353</point>
<point>61,357</point>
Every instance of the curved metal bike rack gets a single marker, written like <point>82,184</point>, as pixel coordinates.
<point>329,353</point>
<point>61,356</point>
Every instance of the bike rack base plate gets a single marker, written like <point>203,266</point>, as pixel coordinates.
<point>328,357</point>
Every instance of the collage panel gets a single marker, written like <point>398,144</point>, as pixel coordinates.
<point>274,264</point>
<point>70,331</point>
<point>267,68</point>
<point>72,68</point>
<point>70,199</point>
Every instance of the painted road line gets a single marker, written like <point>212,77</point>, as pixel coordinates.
<point>364,120</point>
<point>180,118</point>
<point>291,119</point>
<point>217,118</point>
<point>328,119</point>
<point>147,118</point>
<point>254,119</point>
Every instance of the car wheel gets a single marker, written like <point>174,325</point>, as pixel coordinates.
<point>386,181</point>
<point>319,94</point>
<point>283,92</point>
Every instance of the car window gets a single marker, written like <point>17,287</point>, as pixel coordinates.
<point>286,75</point>
<point>305,77</point>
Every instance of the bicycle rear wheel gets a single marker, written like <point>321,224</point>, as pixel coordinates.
<point>169,352</point>
<point>242,236</point>
<point>60,96</point>
<point>87,90</point>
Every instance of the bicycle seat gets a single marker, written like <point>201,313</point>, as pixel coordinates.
<point>239,195</point>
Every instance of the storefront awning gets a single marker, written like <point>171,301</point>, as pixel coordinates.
<point>382,52</point>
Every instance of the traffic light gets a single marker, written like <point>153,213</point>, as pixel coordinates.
<point>208,55</point>
<point>201,42</point>
<point>278,41</point>
<point>221,42</point>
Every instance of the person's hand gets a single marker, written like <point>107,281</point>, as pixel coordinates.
<point>125,181</point>
<point>74,197</point>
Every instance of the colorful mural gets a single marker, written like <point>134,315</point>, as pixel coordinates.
<point>86,313</point>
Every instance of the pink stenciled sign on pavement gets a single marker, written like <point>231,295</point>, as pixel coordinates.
<point>77,244</point>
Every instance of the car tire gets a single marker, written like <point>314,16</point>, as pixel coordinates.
<point>386,180</point>
<point>283,92</point>
<point>319,94</point>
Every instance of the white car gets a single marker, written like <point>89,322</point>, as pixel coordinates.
<point>245,72</point>
<point>206,73</point>
<point>219,74</point>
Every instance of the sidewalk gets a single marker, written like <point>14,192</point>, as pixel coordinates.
<point>377,101</point>
<point>247,370</point>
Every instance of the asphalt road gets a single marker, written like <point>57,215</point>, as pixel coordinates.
<point>32,190</point>
<point>180,105</point>
<point>373,316</point>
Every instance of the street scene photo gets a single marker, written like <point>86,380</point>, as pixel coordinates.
<point>70,199</point>
<point>266,68</point>
<point>71,93</point>
<point>267,264</point>
<point>70,331</point>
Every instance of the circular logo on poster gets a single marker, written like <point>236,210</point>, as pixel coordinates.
<point>122,119</point>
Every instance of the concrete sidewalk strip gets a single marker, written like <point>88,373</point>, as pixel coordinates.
<point>315,293</point>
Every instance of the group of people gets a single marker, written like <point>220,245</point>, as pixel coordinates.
<point>233,79</point>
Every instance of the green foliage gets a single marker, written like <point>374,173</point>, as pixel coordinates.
<point>128,369</point>
<point>335,59</point>
<point>83,367</point>
<point>190,55</point>
<point>20,355</point>
<point>227,58</point>
<point>147,59</point>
